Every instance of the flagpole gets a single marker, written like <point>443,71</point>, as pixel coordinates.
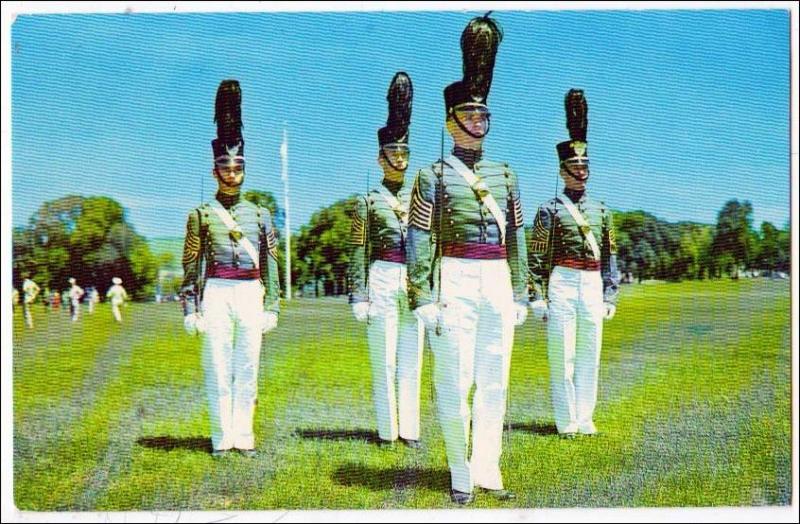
<point>287,229</point>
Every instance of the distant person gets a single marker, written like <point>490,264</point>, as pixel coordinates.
<point>93,297</point>
<point>46,298</point>
<point>29,292</point>
<point>75,294</point>
<point>575,280</point>
<point>14,299</point>
<point>55,302</point>
<point>117,295</point>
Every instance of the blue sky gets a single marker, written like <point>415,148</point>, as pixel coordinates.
<point>687,109</point>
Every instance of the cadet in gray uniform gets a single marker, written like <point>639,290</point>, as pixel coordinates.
<point>379,280</point>
<point>230,288</point>
<point>470,207</point>
<point>575,281</point>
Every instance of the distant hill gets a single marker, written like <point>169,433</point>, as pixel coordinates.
<point>171,245</point>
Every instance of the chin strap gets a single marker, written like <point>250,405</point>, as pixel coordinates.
<point>222,181</point>
<point>573,175</point>
<point>467,131</point>
<point>383,154</point>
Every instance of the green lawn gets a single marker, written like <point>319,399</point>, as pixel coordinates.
<point>694,407</point>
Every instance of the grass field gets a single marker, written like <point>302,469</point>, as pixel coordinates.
<point>694,406</point>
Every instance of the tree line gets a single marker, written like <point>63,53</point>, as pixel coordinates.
<point>90,238</point>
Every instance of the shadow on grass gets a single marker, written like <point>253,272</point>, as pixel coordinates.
<point>340,434</point>
<point>535,428</point>
<point>379,479</point>
<point>167,443</point>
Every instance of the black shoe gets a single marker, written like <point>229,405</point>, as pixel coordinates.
<point>413,444</point>
<point>249,453</point>
<point>500,494</point>
<point>567,436</point>
<point>385,443</point>
<point>461,498</point>
<point>219,453</point>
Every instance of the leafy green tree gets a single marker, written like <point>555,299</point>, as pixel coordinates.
<point>773,248</point>
<point>85,237</point>
<point>733,241</point>
<point>322,249</point>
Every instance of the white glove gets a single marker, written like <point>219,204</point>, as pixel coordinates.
<point>539,309</point>
<point>428,314</point>
<point>610,311</point>
<point>522,313</point>
<point>194,323</point>
<point>270,321</point>
<point>361,311</point>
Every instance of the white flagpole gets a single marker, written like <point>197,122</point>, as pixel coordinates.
<point>287,229</point>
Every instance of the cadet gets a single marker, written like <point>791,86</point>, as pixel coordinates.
<point>379,279</point>
<point>75,294</point>
<point>92,297</point>
<point>118,296</point>
<point>574,279</point>
<point>230,289</point>
<point>29,291</point>
<point>471,206</point>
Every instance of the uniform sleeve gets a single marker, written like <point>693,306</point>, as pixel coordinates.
<point>515,244</point>
<point>608,268</point>
<point>420,248</point>
<point>359,263</point>
<point>268,264</point>
<point>539,259</point>
<point>191,264</point>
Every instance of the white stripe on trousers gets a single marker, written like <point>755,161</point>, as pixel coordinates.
<point>232,310</point>
<point>574,339</point>
<point>474,348</point>
<point>395,339</point>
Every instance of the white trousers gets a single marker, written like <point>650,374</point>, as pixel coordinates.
<point>114,310</point>
<point>75,309</point>
<point>28,314</point>
<point>574,339</point>
<point>473,348</point>
<point>395,339</point>
<point>232,310</point>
